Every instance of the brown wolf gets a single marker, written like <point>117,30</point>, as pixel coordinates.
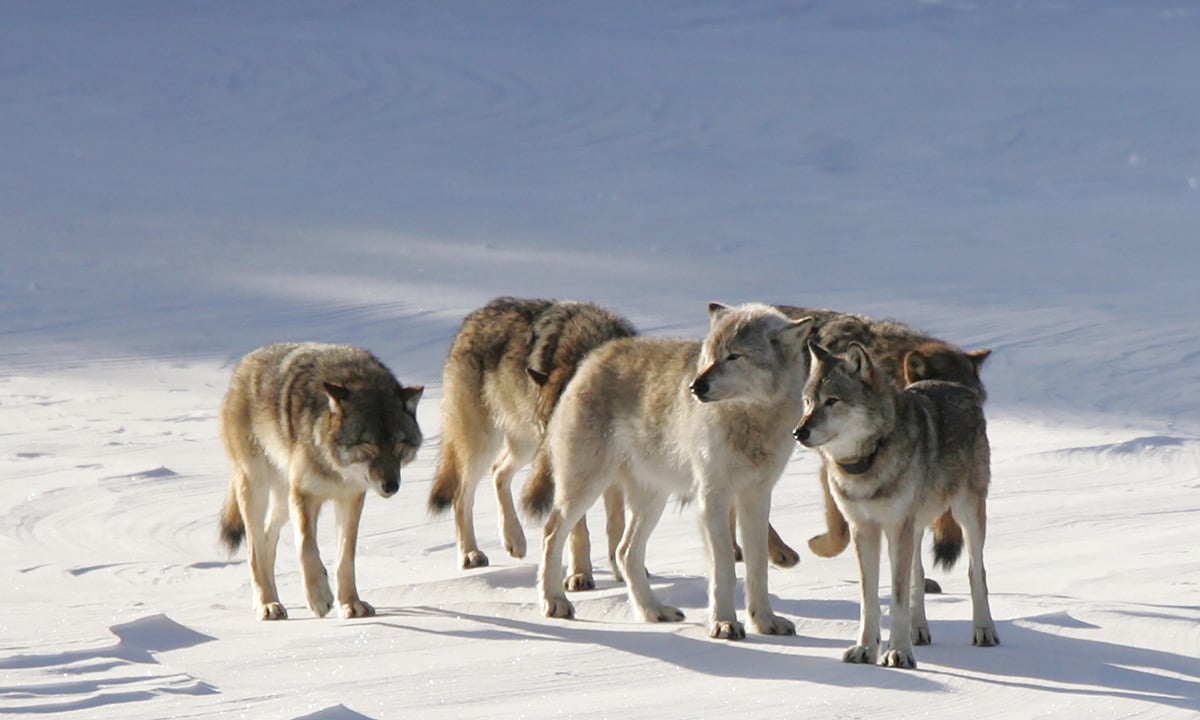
<point>506,369</point>
<point>304,423</point>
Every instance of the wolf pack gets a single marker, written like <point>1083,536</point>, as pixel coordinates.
<point>598,411</point>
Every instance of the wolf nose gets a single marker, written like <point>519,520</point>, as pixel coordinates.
<point>700,387</point>
<point>801,434</point>
<point>390,487</point>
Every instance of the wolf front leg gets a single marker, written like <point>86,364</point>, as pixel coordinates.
<point>754,509</point>
<point>348,514</point>
<point>866,545</point>
<point>714,522</point>
<point>304,509</point>
<point>900,551</point>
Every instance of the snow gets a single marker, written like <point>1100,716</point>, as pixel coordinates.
<point>183,182</point>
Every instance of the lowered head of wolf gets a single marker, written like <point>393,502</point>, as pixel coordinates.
<point>371,432</point>
<point>753,354</point>
<point>849,403</point>
<point>936,360</point>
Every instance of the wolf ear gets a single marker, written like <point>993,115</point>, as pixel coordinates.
<point>818,354</point>
<point>538,377</point>
<point>977,357</point>
<point>410,395</point>
<point>794,333</point>
<point>859,362</point>
<point>716,311</point>
<point>337,395</point>
<point>916,367</point>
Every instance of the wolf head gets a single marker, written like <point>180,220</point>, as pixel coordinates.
<point>373,431</point>
<point>751,354</point>
<point>936,360</point>
<point>559,340</point>
<point>848,402</point>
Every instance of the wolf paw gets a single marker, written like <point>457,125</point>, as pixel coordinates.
<point>825,546</point>
<point>474,559</point>
<point>662,613</point>
<point>773,625</point>
<point>558,608</point>
<point>727,630</point>
<point>514,544</point>
<point>932,587</point>
<point>783,556</point>
<point>859,654</point>
<point>579,582</point>
<point>899,659</point>
<point>320,600</point>
<point>920,635</point>
<point>985,636</point>
<point>272,611</point>
<point>356,609</point>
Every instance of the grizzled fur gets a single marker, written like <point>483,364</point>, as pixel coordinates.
<point>506,369</point>
<point>896,461</point>
<point>304,423</point>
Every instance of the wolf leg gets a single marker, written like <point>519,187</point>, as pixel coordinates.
<point>972,514</point>
<point>837,534</point>
<point>754,509</point>
<point>866,546</point>
<point>645,510</point>
<point>304,510</point>
<point>714,520</point>
<point>782,555</point>
<point>900,551</point>
<point>920,624</point>
<point>614,515</point>
<point>263,521</point>
<point>582,576</point>
<point>514,456</point>
<point>348,514</point>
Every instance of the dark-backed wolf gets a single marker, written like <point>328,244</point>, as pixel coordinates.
<point>896,460</point>
<point>708,421</point>
<point>304,423</point>
<point>905,356</point>
<point>505,372</point>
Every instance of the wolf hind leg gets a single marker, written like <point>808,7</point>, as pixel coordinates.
<point>263,512</point>
<point>614,516</point>
<point>971,511</point>
<point>513,456</point>
<point>645,509</point>
<point>572,503</point>
<point>920,623</point>
<point>463,463</point>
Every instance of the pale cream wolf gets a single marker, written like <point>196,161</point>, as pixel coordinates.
<point>506,369</point>
<point>711,422</point>
<point>905,355</point>
<point>897,460</point>
<point>304,423</point>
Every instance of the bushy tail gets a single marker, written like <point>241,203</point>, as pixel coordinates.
<point>538,496</point>
<point>947,541</point>
<point>446,480</point>
<point>233,527</point>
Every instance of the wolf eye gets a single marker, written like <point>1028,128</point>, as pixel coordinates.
<point>830,402</point>
<point>732,356</point>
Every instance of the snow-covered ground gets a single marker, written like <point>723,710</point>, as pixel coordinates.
<point>182,182</point>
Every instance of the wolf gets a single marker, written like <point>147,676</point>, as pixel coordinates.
<point>896,461</point>
<point>904,355</point>
<point>507,368</point>
<point>304,423</point>
<point>704,421</point>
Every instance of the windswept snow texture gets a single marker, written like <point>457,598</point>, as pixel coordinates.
<point>181,182</point>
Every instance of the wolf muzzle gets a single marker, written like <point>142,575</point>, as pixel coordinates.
<point>700,387</point>
<point>802,433</point>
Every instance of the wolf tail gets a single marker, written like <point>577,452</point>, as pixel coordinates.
<point>947,541</point>
<point>446,481</point>
<point>538,496</point>
<point>233,527</point>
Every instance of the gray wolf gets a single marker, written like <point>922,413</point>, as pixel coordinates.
<point>506,370</point>
<point>304,423</point>
<point>703,421</point>
<point>904,355</point>
<point>896,461</point>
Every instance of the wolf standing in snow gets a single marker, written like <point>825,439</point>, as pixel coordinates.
<point>304,423</point>
<point>505,372</point>
<point>896,461</point>
<point>707,421</point>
